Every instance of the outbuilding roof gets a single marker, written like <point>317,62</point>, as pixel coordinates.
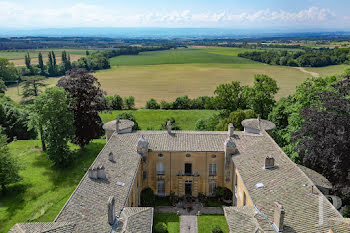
<point>258,124</point>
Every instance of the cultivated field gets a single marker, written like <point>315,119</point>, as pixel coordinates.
<point>165,75</point>
<point>17,56</point>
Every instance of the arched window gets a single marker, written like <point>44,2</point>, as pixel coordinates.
<point>160,168</point>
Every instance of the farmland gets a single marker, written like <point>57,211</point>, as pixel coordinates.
<point>165,75</point>
<point>17,56</point>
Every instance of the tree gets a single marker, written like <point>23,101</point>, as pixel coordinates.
<point>323,140</point>
<point>27,61</point>
<point>41,64</point>
<point>14,122</point>
<point>87,53</point>
<point>8,166</point>
<point>129,102</point>
<point>86,92</point>
<point>3,87</point>
<point>217,229</point>
<point>260,97</point>
<point>182,102</point>
<point>229,97</point>
<point>32,87</point>
<point>52,114</point>
<point>152,104</point>
<point>117,102</point>
<point>235,118</point>
<point>160,227</point>
<point>51,64</point>
<point>8,71</point>
<point>129,116</point>
<point>66,61</point>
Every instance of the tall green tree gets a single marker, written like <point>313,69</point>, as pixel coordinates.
<point>27,61</point>
<point>41,64</point>
<point>86,92</point>
<point>66,61</point>
<point>32,88</point>
<point>261,96</point>
<point>8,166</point>
<point>51,64</point>
<point>52,113</point>
<point>8,71</point>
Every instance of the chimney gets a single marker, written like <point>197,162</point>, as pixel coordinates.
<point>117,125</point>
<point>101,173</point>
<point>168,125</point>
<point>231,130</point>
<point>93,173</point>
<point>269,163</point>
<point>111,156</point>
<point>111,210</point>
<point>278,216</point>
<point>142,146</point>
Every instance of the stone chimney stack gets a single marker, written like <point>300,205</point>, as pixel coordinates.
<point>269,162</point>
<point>278,216</point>
<point>142,148</point>
<point>117,125</point>
<point>111,156</point>
<point>168,125</point>
<point>101,173</point>
<point>231,130</point>
<point>111,210</point>
<point>93,173</point>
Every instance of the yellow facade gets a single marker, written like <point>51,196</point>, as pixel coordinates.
<point>174,163</point>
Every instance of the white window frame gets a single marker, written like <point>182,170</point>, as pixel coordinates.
<point>212,169</point>
<point>160,168</point>
<point>161,190</point>
<point>211,188</point>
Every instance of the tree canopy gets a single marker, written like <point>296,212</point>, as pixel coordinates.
<point>52,113</point>
<point>85,91</point>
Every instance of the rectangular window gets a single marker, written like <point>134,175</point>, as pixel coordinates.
<point>160,168</point>
<point>212,186</point>
<point>212,169</point>
<point>188,169</point>
<point>161,188</point>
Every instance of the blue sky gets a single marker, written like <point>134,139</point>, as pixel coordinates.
<point>247,14</point>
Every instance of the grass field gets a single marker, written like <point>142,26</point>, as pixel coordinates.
<point>44,190</point>
<point>171,220</point>
<point>152,119</point>
<point>17,56</point>
<point>165,75</point>
<point>207,222</point>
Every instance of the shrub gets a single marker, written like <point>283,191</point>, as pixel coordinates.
<point>182,102</point>
<point>152,104</point>
<point>148,198</point>
<point>217,229</point>
<point>200,125</point>
<point>235,118</point>
<point>165,105</point>
<point>160,228</point>
<point>117,102</point>
<point>129,116</point>
<point>129,102</point>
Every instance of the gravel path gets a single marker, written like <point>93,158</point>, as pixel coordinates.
<point>313,74</point>
<point>188,224</point>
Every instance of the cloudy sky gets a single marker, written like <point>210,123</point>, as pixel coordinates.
<point>296,14</point>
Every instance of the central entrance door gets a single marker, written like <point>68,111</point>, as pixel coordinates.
<point>188,188</point>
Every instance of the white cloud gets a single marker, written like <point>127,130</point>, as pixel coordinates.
<point>15,15</point>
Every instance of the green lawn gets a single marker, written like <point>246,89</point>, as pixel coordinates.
<point>44,189</point>
<point>171,220</point>
<point>207,222</point>
<point>152,119</point>
<point>183,56</point>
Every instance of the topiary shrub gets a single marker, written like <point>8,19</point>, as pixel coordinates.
<point>217,229</point>
<point>160,228</point>
<point>148,198</point>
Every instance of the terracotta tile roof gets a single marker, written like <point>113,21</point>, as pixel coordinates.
<point>286,184</point>
<point>47,227</point>
<point>136,219</point>
<point>123,124</point>
<point>316,177</point>
<point>258,124</point>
